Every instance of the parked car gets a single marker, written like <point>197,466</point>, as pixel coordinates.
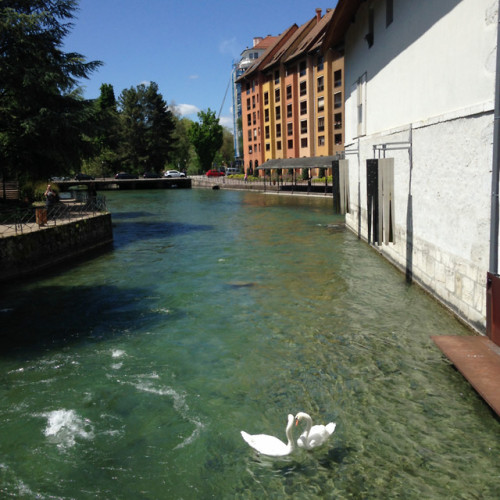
<point>125,175</point>
<point>174,173</point>
<point>83,177</point>
<point>231,171</point>
<point>214,173</point>
<point>151,175</point>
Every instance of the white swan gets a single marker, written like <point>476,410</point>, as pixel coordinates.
<point>314,435</point>
<point>270,445</point>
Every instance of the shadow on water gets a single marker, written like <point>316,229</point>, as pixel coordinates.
<point>90,314</point>
<point>127,232</point>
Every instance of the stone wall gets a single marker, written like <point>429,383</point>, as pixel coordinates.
<point>25,254</point>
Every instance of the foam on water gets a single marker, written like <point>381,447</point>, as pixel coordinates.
<point>180,405</point>
<point>65,426</point>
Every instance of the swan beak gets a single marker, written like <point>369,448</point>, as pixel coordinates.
<point>296,422</point>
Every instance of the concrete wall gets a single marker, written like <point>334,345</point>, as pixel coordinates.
<point>25,254</point>
<point>430,84</point>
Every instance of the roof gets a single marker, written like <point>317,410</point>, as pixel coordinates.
<point>313,38</point>
<point>311,162</point>
<point>344,14</point>
<point>269,53</point>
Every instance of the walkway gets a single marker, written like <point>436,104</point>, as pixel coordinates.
<point>477,358</point>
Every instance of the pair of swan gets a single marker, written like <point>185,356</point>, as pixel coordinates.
<point>312,437</point>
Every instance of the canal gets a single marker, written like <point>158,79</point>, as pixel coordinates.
<point>131,375</point>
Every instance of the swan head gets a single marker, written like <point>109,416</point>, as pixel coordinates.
<point>301,416</point>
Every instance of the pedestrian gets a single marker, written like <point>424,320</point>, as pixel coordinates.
<point>50,197</point>
<point>246,176</point>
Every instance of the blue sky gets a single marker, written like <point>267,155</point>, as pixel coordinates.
<point>187,47</point>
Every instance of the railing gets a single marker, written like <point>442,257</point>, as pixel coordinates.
<point>26,220</point>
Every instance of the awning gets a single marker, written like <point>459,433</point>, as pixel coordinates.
<point>295,163</point>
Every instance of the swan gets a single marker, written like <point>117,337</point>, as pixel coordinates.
<point>270,445</point>
<point>314,435</point>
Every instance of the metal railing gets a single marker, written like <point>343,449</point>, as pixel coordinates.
<point>26,220</point>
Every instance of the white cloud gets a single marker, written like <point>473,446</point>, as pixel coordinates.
<point>186,109</point>
<point>227,121</point>
<point>194,77</point>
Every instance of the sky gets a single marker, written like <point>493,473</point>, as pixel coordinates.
<point>187,47</point>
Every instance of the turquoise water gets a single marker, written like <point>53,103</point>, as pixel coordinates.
<point>132,374</point>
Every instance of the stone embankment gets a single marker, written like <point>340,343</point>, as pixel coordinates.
<point>25,254</point>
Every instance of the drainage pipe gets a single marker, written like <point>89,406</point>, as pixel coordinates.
<point>493,267</point>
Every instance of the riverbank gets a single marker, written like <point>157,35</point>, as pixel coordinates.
<point>44,247</point>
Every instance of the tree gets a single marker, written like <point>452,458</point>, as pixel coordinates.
<point>206,137</point>
<point>43,115</point>
<point>147,127</point>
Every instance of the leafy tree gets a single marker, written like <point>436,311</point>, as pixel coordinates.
<point>207,137</point>
<point>107,133</point>
<point>147,127</point>
<point>183,154</point>
<point>42,113</point>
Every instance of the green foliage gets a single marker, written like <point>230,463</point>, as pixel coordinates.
<point>42,114</point>
<point>206,137</point>
<point>147,129</point>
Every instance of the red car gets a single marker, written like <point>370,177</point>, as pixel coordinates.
<point>214,173</point>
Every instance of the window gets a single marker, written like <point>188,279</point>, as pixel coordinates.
<point>321,140</point>
<point>250,150</point>
<point>321,84</point>
<point>249,119</point>
<point>277,95</point>
<point>267,131</point>
<point>321,124</point>
<point>303,142</point>
<point>248,87</point>
<point>266,115</point>
<point>337,118</point>
<point>302,68</point>
<point>321,104</point>
<point>303,88</point>
<point>268,146</point>
<point>289,128</point>
<point>289,111</point>
<point>278,130</point>
<point>370,36</point>
<point>320,63</point>
<point>288,91</point>
<point>303,127</point>
<point>337,78</point>
<point>254,118</point>
<point>276,77</point>
<point>303,108</point>
<point>338,139</point>
<point>358,92</point>
<point>290,144</point>
<point>255,134</point>
<point>248,104</point>
<point>266,98</point>
<point>389,16</point>
<point>278,145</point>
<point>249,134</point>
<point>253,101</point>
<point>337,100</point>
<point>277,112</point>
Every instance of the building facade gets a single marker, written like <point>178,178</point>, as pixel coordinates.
<point>292,98</point>
<point>248,58</point>
<point>420,80</point>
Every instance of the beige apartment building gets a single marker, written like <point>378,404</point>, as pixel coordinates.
<point>292,98</point>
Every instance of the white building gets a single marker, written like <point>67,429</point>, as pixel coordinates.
<point>420,89</point>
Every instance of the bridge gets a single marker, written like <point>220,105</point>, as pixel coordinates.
<point>110,183</point>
